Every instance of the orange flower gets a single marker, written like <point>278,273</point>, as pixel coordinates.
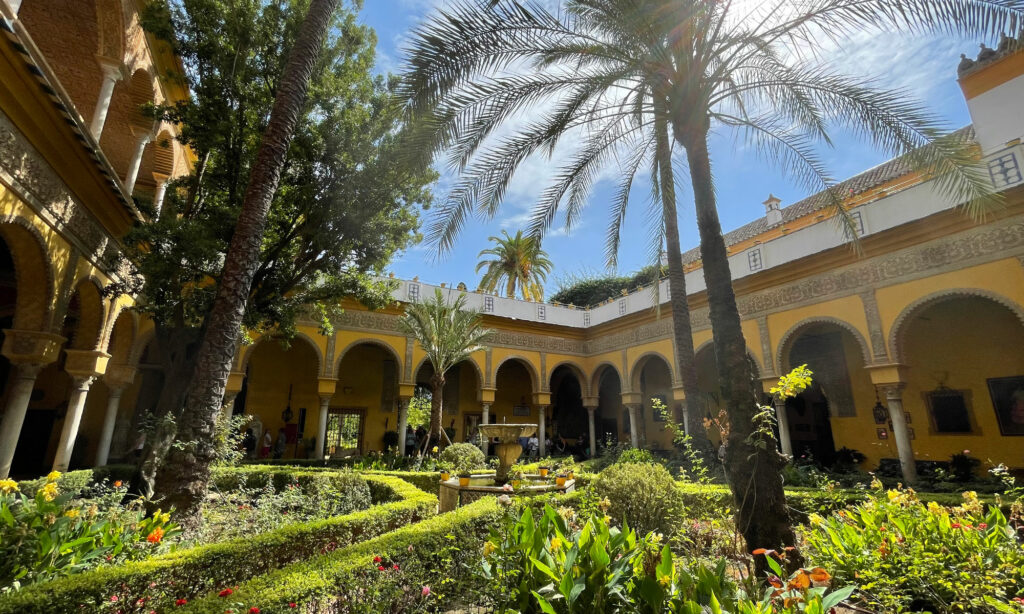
<point>762,551</point>
<point>117,483</point>
<point>800,580</point>
<point>155,536</point>
<point>818,574</point>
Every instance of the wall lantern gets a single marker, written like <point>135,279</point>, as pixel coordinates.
<point>880,412</point>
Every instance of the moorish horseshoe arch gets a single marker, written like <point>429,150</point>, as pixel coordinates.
<point>534,376</point>
<point>599,371</point>
<point>249,349</point>
<point>899,325</point>
<point>391,351</point>
<point>476,368</point>
<point>33,274</point>
<point>576,370</point>
<point>786,341</point>
<point>641,361</point>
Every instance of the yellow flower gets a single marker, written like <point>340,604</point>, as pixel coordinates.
<point>8,486</point>
<point>71,513</point>
<point>49,491</point>
<point>665,580</point>
<point>489,548</point>
<point>434,450</point>
<point>934,507</point>
<point>816,519</point>
<point>556,543</point>
<point>53,476</point>
<point>876,484</point>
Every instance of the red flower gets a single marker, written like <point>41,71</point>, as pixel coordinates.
<point>292,605</point>
<point>395,567</point>
<point>113,597</point>
<point>377,559</point>
<point>180,601</point>
<point>225,592</point>
<point>967,526</point>
<point>982,526</point>
<point>955,525</point>
<point>380,568</point>
<point>882,528</point>
<point>155,536</point>
<point>254,610</point>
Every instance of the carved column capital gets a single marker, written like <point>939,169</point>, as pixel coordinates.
<point>28,346</point>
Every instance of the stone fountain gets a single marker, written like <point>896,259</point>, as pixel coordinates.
<point>508,448</point>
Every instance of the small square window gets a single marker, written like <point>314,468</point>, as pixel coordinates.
<point>1004,171</point>
<point>948,410</point>
<point>858,223</point>
<point>541,312</point>
<point>586,318</point>
<point>754,260</point>
<point>414,292</point>
<point>488,304</point>
<point>622,307</point>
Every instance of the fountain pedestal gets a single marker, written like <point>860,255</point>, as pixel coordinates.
<point>508,448</point>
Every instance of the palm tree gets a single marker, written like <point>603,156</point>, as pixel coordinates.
<point>448,334</point>
<point>518,262</point>
<point>183,478</point>
<point>604,68</point>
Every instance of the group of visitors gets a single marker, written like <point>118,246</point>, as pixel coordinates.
<point>269,444</point>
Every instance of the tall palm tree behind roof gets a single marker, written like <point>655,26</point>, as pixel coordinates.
<point>518,263</point>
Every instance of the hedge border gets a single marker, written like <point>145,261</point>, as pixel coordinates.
<point>317,578</point>
<point>203,567</point>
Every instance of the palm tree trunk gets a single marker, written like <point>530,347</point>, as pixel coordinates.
<point>753,470</point>
<point>510,288</point>
<point>682,333</point>
<point>184,476</point>
<point>436,405</point>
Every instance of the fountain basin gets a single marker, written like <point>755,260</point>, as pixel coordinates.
<point>452,495</point>
<point>508,448</point>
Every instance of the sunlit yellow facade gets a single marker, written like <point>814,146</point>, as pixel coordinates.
<point>915,339</point>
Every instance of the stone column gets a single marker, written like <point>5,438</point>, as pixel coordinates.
<point>634,429</point>
<point>321,430</point>
<point>72,419</point>
<point>15,5</point>
<point>593,431</point>
<point>485,418</point>
<point>894,399</point>
<point>783,420</point>
<point>18,397</point>
<point>403,422</point>
<point>158,196</point>
<point>109,420</point>
<point>541,428</point>
<point>111,75</point>
<point>228,407</point>
<point>133,167</point>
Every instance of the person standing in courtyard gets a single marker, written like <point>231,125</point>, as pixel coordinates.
<point>281,444</point>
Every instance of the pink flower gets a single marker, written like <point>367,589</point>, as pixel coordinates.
<point>113,598</point>
<point>410,547</point>
<point>425,591</point>
<point>982,526</point>
<point>967,451</point>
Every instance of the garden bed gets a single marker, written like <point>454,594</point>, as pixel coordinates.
<point>193,571</point>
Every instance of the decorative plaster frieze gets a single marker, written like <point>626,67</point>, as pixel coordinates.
<point>874,325</point>
<point>37,183</point>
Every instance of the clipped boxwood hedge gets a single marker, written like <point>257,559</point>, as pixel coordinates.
<point>195,571</point>
<point>314,584</point>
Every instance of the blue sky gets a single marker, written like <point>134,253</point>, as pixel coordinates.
<point>924,67</point>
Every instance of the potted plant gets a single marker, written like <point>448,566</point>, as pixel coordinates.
<point>464,478</point>
<point>516,475</point>
<point>560,480</point>
<point>446,470</point>
<point>544,469</point>
<point>567,467</point>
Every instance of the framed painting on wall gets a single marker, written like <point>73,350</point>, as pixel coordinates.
<point>521,410</point>
<point>1008,401</point>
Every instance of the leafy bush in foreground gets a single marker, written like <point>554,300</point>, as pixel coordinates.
<point>642,495</point>
<point>908,556</point>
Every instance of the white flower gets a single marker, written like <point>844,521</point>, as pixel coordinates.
<point>505,500</point>
<point>507,488</point>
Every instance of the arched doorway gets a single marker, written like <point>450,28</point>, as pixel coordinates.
<point>653,379</point>
<point>840,385</point>
<point>612,419</point>
<point>364,408</point>
<point>281,392</point>
<point>460,407</point>
<point>965,382</point>
<point>569,418</point>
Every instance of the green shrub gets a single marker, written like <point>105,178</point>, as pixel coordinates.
<point>636,455</point>
<point>463,457</point>
<point>343,490</point>
<point>642,495</point>
<point>429,553</point>
<point>186,573</point>
<point>50,535</point>
<point>908,556</point>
